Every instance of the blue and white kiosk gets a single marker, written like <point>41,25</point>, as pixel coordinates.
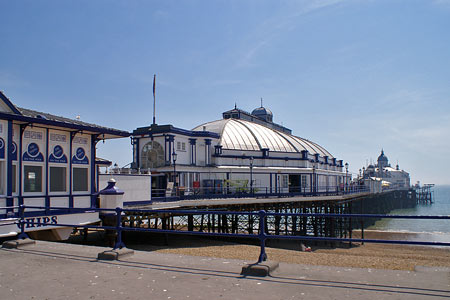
<point>47,161</point>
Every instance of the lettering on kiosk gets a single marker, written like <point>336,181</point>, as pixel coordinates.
<point>40,222</point>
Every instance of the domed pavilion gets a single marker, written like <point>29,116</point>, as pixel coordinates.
<point>240,150</point>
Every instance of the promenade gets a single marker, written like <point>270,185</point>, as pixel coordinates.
<point>49,270</point>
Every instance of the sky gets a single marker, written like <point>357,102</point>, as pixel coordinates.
<point>353,76</point>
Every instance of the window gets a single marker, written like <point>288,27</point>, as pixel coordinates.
<point>32,179</point>
<point>80,179</point>
<point>284,181</point>
<point>14,179</point>
<point>152,155</point>
<point>304,184</point>
<point>181,146</point>
<point>58,179</point>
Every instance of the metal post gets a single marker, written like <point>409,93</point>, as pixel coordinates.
<point>22,234</point>
<point>119,244</point>
<point>262,236</point>
<point>174,157</point>
<point>314,179</point>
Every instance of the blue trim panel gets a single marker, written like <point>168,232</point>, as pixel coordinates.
<point>268,157</point>
<point>170,129</point>
<point>9,199</point>
<point>22,130</point>
<point>93,154</point>
<point>47,171</point>
<point>138,159</point>
<point>72,135</point>
<point>276,183</point>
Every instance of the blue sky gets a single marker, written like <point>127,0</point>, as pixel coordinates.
<point>353,76</point>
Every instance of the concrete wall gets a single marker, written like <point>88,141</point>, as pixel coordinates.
<point>136,187</point>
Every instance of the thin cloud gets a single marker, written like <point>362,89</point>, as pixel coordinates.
<point>271,28</point>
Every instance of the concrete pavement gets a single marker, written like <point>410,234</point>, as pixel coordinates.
<point>50,270</point>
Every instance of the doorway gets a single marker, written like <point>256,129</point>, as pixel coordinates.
<point>294,184</point>
<point>159,185</point>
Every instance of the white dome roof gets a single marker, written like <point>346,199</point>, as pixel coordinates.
<point>245,135</point>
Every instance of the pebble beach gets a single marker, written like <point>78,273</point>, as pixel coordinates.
<point>369,255</point>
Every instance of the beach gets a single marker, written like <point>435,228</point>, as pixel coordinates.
<point>369,255</point>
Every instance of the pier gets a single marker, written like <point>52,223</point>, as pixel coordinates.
<point>424,194</point>
<point>301,215</point>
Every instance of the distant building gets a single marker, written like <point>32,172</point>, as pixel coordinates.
<point>383,172</point>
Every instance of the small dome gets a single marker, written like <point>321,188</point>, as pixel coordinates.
<point>382,157</point>
<point>383,161</point>
<point>263,113</point>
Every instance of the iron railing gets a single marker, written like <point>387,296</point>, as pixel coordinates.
<point>262,234</point>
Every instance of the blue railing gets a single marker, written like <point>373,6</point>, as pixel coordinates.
<point>262,234</point>
<point>11,210</point>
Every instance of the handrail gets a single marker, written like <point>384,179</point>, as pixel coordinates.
<point>262,234</point>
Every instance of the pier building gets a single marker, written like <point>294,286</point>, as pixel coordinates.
<point>242,151</point>
<point>47,161</point>
<point>390,177</point>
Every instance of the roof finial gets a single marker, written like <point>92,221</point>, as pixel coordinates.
<point>261,102</point>
<point>235,105</point>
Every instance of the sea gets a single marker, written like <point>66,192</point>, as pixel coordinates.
<point>430,230</point>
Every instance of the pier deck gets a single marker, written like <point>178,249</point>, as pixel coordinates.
<point>246,201</point>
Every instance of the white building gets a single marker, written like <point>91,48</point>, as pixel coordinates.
<point>382,171</point>
<point>239,152</point>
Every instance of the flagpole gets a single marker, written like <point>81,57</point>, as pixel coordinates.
<point>154,99</point>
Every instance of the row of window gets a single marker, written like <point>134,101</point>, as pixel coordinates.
<point>33,179</point>
<point>57,178</point>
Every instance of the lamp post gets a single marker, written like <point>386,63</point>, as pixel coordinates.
<point>174,158</point>
<point>251,174</point>
<point>314,183</point>
<point>346,177</point>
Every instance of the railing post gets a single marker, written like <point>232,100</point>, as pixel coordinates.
<point>119,244</point>
<point>22,234</point>
<point>262,236</point>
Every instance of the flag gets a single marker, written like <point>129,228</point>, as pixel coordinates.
<point>154,99</point>
<point>154,85</point>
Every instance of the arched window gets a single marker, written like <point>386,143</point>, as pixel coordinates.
<point>152,155</point>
